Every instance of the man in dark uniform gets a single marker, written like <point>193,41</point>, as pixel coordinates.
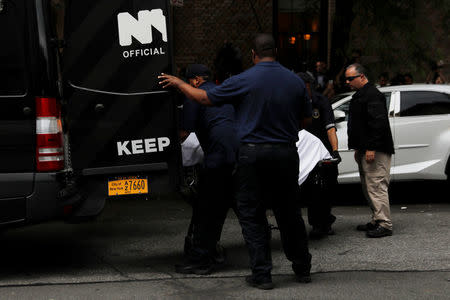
<point>323,82</point>
<point>216,132</point>
<point>319,200</point>
<point>269,100</point>
<point>369,133</point>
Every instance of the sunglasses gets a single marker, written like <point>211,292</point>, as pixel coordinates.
<point>350,78</point>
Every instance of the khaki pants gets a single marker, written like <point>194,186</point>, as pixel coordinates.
<point>375,183</point>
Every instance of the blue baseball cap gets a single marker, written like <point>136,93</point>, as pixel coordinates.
<point>194,70</point>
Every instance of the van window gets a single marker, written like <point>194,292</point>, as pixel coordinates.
<point>12,59</point>
<point>421,103</point>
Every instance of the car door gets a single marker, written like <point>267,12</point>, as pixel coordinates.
<point>17,118</point>
<point>422,135</point>
<point>348,169</point>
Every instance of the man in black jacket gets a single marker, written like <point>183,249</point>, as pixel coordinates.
<point>370,135</point>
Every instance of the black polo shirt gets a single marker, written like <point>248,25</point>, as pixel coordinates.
<point>269,99</point>
<point>322,118</point>
<point>215,129</point>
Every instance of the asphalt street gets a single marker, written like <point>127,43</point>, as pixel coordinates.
<point>130,250</point>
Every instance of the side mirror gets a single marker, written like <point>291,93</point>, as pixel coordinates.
<point>339,116</point>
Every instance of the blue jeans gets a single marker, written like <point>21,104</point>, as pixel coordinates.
<point>267,177</point>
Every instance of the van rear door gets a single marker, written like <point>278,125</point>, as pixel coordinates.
<point>17,117</point>
<point>120,122</point>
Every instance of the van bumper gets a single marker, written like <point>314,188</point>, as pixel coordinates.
<point>44,204</point>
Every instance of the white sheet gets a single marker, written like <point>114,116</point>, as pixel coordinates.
<point>191,151</point>
<point>310,151</point>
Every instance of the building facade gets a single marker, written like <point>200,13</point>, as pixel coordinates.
<point>329,30</point>
<point>201,27</point>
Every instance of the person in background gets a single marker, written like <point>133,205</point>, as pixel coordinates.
<point>383,79</point>
<point>322,126</point>
<point>439,80</point>
<point>269,101</point>
<point>436,75</point>
<point>408,79</point>
<point>216,132</point>
<point>369,133</point>
<point>398,79</point>
<point>228,62</point>
<point>323,80</point>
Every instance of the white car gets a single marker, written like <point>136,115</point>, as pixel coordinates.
<point>419,116</point>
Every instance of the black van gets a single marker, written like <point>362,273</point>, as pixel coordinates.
<point>84,119</point>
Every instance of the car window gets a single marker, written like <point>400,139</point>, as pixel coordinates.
<point>338,97</point>
<point>344,107</point>
<point>422,103</point>
<point>12,59</point>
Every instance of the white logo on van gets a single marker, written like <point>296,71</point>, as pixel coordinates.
<point>142,146</point>
<point>141,29</point>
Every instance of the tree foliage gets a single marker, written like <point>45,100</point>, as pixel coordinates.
<point>400,35</point>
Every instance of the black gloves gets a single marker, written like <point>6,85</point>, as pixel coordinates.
<point>335,155</point>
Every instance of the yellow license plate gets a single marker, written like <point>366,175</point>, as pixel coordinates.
<point>127,186</point>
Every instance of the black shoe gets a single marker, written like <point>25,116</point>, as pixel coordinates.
<point>303,277</point>
<point>188,244</point>
<point>378,232</point>
<point>303,271</point>
<point>219,255</point>
<point>194,268</point>
<point>320,232</point>
<point>366,227</point>
<point>259,284</point>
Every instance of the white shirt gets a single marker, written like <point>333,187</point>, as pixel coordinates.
<point>310,151</point>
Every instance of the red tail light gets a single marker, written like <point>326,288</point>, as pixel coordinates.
<point>49,137</point>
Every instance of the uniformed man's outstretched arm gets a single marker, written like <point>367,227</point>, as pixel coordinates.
<point>332,137</point>
<point>197,95</point>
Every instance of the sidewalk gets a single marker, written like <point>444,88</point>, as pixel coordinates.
<point>132,248</point>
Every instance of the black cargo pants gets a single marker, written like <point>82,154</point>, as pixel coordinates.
<point>216,197</point>
<point>317,193</point>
